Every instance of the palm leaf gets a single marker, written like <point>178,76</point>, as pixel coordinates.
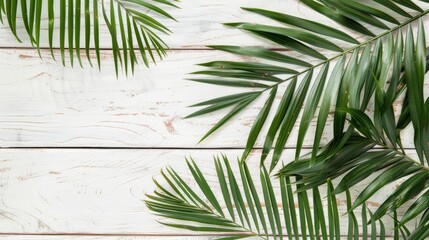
<point>374,145</point>
<point>380,70</point>
<point>306,38</point>
<point>249,211</point>
<point>125,19</point>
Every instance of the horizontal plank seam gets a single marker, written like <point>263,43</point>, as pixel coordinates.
<point>153,148</point>
<point>109,49</point>
<point>128,234</point>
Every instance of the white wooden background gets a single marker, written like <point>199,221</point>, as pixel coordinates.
<point>79,147</point>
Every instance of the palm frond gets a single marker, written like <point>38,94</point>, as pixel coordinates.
<point>241,209</point>
<point>375,74</point>
<point>131,29</point>
<point>305,90</point>
<point>371,142</point>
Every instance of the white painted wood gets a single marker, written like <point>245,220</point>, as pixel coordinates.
<point>102,191</point>
<point>62,237</point>
<point>69,193</point>
<point>102,237</point>
<point>43,104</point>
<point>199,23</point>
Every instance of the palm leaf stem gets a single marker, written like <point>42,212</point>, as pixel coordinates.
<point>397,27</point>
<point>402,154</point>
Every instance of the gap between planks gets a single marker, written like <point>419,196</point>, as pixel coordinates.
<point>184,236</point>
<point>203,48</point>
<point>161,148</point>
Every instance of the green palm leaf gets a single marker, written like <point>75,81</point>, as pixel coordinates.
<point>242,209</point>
<point>380,70</point>
<point>373,145</point>
<point>132,31</point>
<point>307,90</point>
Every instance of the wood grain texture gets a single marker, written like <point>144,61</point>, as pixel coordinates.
<point>92,194</point>
<point>199,23</point>
<point>43,104</point>
<point>101,237</point>
<point>102,191</point>
<point>62,237</point>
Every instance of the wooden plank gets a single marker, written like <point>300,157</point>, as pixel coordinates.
<point>88,191</point>
<point>199,24</point>
<point>43,104</point>
<point>100,237</point>
<point>107,237</point>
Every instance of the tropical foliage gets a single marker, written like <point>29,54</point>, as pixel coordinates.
<point>372,142</point>
<point>245,215</point>
<point>374,90</point>
<point>302,36</point>
<point>131,29</point>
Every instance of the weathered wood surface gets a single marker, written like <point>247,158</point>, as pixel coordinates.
<point>109,237</point>
<point>102,191</point>
<point>47,192</point>
<point>199,23</point>
<point>43,104</point>
<point>101,237</point>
